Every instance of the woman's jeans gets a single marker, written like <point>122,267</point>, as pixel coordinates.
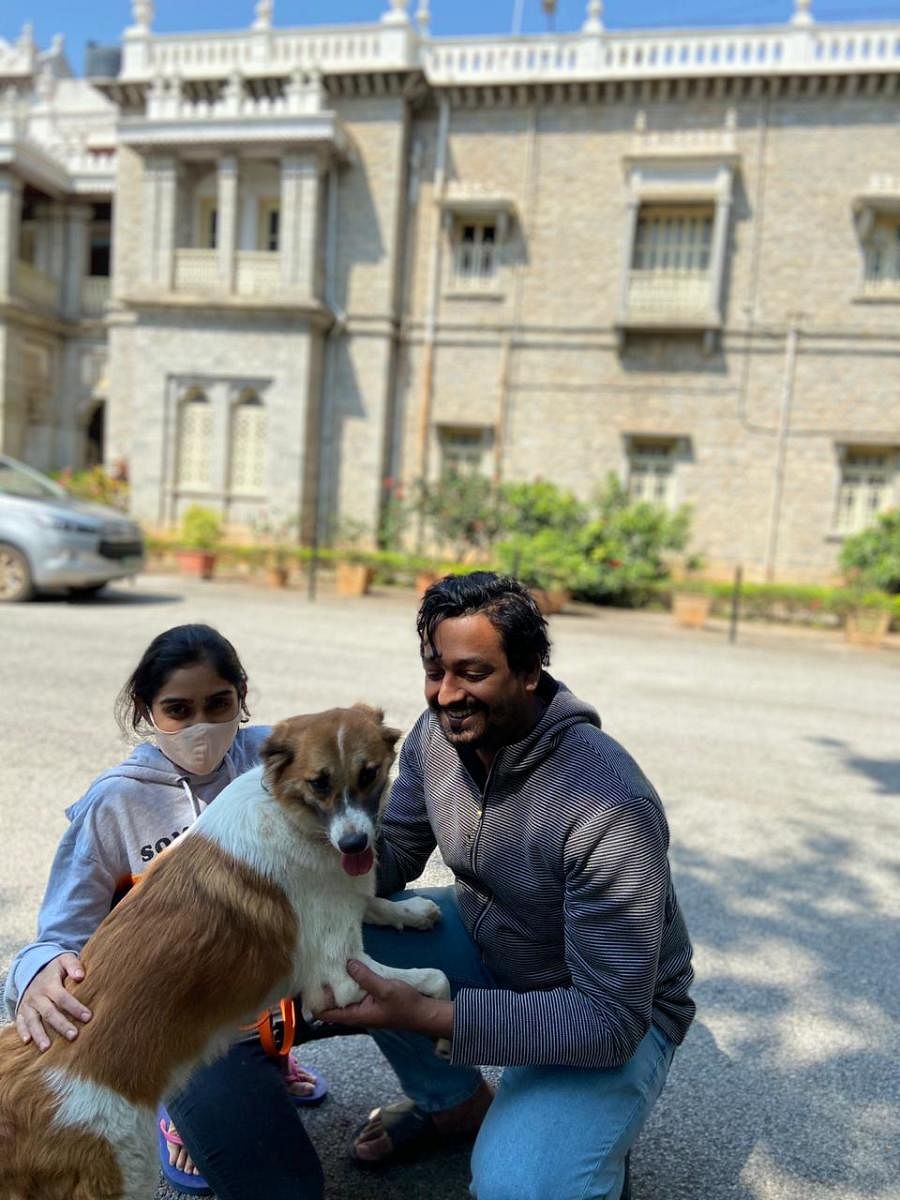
<point>552,1133</point>
<point>244,1132</point>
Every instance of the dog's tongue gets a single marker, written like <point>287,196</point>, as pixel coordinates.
<point>358,864</point>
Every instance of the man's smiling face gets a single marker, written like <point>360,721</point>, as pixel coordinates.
<point>478,700</point>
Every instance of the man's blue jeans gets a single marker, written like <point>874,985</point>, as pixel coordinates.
<point>552,1133</point>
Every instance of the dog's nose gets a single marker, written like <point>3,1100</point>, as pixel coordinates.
<point>353,843</point>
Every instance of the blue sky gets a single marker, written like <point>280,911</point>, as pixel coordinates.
<point>104,22</point>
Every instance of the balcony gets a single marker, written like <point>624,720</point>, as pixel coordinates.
<point>258,273</point>
<point>673,299</point>
<point>94,295</point>
<point>197,271</point>
<point>35,286</point>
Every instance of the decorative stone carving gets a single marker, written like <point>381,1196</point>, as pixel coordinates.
<point>398,13</point>
<point>142,12</point>
<point>594,19</point>
<point>264,10</point>
<point>802,13</point>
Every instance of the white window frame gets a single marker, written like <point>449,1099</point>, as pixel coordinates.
<point>651,462</point>
<point>688,296</point>
<point>867,486</point>
<point>881,257</point>
<point>194,404</point>
<point>244,447</point>
<point>476,253</point>
<point>464,449</point>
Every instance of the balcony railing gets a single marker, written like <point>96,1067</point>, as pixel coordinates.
<point>35,286</point>
<point>886,288</point>
<point>258,272</point>
<point>94,295</point>
<point>197,271</point>
<point>674,295</point>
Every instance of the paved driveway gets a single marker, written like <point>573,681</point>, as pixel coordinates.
<point>779,760</point>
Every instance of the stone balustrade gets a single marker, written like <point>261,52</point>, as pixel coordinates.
<point>36,286</point>
<point>588,55</point>
<point>258,273</point>
<point>197,271</point>
<point>94,295</point>
<point>676,294</point>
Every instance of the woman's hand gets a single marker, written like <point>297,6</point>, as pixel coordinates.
<point>46,1004</point>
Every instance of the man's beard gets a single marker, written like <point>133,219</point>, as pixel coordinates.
<point>465,725</point>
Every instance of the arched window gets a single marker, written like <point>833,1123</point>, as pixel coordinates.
<point>195,430</point>
<point>248,444</point>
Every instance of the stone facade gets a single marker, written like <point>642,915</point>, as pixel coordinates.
<point>341,255</point>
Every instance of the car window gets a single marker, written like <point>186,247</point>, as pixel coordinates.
<point>16,482</point>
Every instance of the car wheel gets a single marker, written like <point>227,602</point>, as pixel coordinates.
<point>87,592</point>
<point>15,575</point>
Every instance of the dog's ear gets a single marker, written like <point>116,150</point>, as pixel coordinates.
<point>391,736</point>
<point>276,755</point>
<point>377,714</point>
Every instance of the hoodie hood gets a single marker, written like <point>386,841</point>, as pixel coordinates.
<point>146,763</point>
<point>563,711</point>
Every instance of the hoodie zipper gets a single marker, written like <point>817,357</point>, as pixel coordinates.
<point>474,851</point>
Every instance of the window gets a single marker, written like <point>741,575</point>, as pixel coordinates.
<point>209,224</point>
<point>866,487</point>
<point>671,259</point>
<point>881,271</point>
<point>475,259</point>
<point>464,450</point>
<point>195,432</point>
<point>99,254</point>
<point>651,470</point>
<point>248,444</point>
<point>269,225</point>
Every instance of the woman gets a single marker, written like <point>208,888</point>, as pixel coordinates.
<point>189,693</point>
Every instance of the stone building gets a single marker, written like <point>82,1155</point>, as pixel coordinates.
<point>347,254</point>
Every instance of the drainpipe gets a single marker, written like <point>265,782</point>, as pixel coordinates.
<point>426,395</point>
<point>784,424</point>
<point>327,437</point>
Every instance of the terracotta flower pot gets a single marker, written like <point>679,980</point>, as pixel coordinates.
<point>867,626</point>
<point>353,579</point>
<point>550,600</point>
<point>424,580</point>
<point>276,577</point>
<point>199,564</point>
<point>691,609</point>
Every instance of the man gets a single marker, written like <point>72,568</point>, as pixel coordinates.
<point>568,956</point>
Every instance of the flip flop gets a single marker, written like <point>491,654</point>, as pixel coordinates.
<point>192,1185</point>
<point>292,1075</point>
<point>412,1133</point>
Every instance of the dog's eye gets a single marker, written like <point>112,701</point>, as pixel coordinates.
<point>320,784</point>
<point>367,777</point>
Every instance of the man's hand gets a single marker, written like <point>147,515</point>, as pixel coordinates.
<point>46,1005</point>
<point>391,1004</point>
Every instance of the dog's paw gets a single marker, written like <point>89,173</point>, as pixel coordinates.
<point>346,991</point>
<point>417,912</point>
<point>432,982</point>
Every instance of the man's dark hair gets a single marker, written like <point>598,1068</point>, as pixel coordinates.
<point>506,603</point>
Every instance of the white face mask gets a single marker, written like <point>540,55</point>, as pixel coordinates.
<point>198,749</point>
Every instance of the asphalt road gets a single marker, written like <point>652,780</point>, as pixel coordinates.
<point>779,761</point>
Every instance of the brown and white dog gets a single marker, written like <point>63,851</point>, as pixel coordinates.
<point>264,897</point>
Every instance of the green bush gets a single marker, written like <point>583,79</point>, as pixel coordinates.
<point>200,528</point>
<point>871,558</point>
<point>461,510</point>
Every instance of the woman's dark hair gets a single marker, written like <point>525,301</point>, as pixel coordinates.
<point>506,603</point>
<point>183,646</point>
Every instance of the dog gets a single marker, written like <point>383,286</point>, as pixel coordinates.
<point>262,898</point>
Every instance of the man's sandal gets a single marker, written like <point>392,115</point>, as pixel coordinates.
<point>412,1134</point>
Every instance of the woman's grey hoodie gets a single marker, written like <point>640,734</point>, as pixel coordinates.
<point>126,817</point>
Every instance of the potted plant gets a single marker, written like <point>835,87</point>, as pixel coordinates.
<point>354,572</point>
<point>871,563</point>
<point>199,538</point>
<point>276,538</point>
<point>691,597</point>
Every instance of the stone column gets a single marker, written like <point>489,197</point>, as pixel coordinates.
<point>10,218</point>
<point>631,222</point>
<point>51,244</point>
<point>721,222</point>
<point>160,215</point>
<point>77,225</point>
<point>227,220</point>
<point>300,220</point>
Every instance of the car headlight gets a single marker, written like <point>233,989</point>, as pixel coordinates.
<point>63,524</point>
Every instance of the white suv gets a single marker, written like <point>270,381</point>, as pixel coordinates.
<point>50,541</point>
